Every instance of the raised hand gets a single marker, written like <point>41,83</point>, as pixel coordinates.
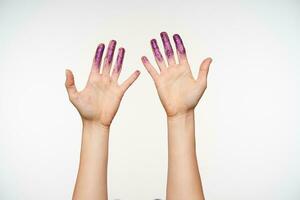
<point>179,92</point>
<point>100,99</point>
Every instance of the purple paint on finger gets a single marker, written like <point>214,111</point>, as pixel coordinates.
<point>144,59</point>
<point>179,44</point>
<point>111,50</point>
<point>167,45</point>
<point>120,59</point>
<point>156,50</point>
<point>99,54</point>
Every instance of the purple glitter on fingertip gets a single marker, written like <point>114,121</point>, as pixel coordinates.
<point>120,59</point>
<point>156,50</point>
<point>167,45</point>
<point>110,51</point>
<point>154,43</point>
<point>144,59</point>
<point>99,53</point>
<point>179,44</point>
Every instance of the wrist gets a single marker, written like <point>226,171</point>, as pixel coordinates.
<point>95,125</point>
<point>181,125</point>
<point>181,116</point>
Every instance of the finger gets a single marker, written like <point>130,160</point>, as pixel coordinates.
<point>152,71</point>
<point>98,58</point>
<point>70,84</point>
<point>180,49</point>
<point>127,83</point>
<point>203,70</point>
<point>109,57</point>
<point>157,55</point>
<point>168,48</point>
<point>118,64</point>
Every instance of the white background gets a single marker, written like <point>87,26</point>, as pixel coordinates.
<point>248,136</point>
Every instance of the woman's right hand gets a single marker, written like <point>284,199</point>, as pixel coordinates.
<point>179,92</point>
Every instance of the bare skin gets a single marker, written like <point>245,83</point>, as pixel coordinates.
<point>179,93</point>
<point>97,105</point>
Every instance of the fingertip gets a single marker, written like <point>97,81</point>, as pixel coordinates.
<point>67,81</point>
<point>122,49</point>
<point>179,44</point>
<point>99,50</point>
<point>144,59</point>
<point>153,43</point>
<point>176,37</point>
<point>209,59</point>
<point>67,72</point>
<point>101,45</point>
<point>114,42</point>
<point>112,45</point>
<point>163,33</point>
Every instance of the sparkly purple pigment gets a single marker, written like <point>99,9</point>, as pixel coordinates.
<point>120,59</point>
<point>111,50</point>
<point>167,45</point>
<point>156,51</point>
<point>179,44</point>
<point>99,54</point>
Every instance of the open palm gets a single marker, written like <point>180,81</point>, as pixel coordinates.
<point>100,99</point>
<point>178,91</point>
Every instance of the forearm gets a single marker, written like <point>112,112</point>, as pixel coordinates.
<point>91,180</point>
<point>183,175</point>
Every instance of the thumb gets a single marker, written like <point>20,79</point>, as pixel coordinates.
<point>203,70</point>
<point>70,83</point>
